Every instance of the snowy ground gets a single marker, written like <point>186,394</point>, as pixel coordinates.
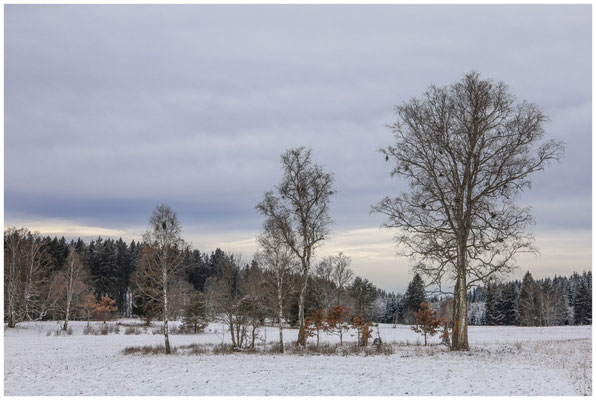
<point>503,361</point>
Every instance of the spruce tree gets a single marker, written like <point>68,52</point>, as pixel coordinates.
<point>492,315</point>
<point>413,299</point>
<point>507,305</point>
<point>583,304</point>
<point>196,317</point>
<point>529,305</point>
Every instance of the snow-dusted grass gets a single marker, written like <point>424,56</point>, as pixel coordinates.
<point>502,361</point>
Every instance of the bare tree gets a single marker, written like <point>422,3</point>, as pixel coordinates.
<point>25,270</point>
<point>466,150</point>
<point>323,278</point>
<point>279,263</point>
<point>69,285</point>
<point>160,261</point>
<point>227,298</point>
<point>299,211</point>
<point>342,274</point>
<point>253,288</point>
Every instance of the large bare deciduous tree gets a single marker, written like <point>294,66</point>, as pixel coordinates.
<point>299,211</point>
<point>466,150</point>
<point>160,262</point>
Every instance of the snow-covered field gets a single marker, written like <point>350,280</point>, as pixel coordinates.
<point>503,361</point>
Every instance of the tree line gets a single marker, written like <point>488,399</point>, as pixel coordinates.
<point>543,302</point>
<point>44,276</point>
<point>38,269</point>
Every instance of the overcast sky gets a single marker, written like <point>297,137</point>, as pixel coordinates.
<point>111,110</point>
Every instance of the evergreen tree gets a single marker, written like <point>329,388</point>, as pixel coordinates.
<point>196,317</point>
<point>413,299</point>
<point>507,305</point>
<point>529,302</point>
<point>364,294</point>
<point>313,301</point>
<point>583,303</point>
<point>492,314</point>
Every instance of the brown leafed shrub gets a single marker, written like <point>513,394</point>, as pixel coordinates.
<point>427,322</point>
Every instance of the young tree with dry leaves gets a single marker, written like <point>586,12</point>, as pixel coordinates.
<point>160,261</point>
<point>316,324</point>
<point>106,306</point>
<point>299,211</point>
<point>337,321</point>
<point>89,306</point>
<point>426,322</point>
<point>363,329</point>
<point>466,150</point>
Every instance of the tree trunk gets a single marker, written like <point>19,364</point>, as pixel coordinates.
<point>279,317</point>
<point>459,340</point>
<point>11,319</point>
<point>253,335</point>
<point>232,331</point>
<point>301,333</point>
<point>165,311</point>
<point>11,280</point>
<point>69,291</point>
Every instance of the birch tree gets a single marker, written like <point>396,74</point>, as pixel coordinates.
<point>69,285</point>
<point>279,263</point>
<point>160,261</point>
<point>298,209</point>
<point>466,150</point>
<point>25,270</point>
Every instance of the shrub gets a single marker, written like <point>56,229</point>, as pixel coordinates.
<point>427,322</point>
<point>195,348</point>
<point>131,330</point>
<point>89,331</point>
<point>337,321</point>
<point>223,349</point>
<point>106,306</point>
<point>146,350</point>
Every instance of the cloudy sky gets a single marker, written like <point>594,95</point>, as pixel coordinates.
<point>111,110</point>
